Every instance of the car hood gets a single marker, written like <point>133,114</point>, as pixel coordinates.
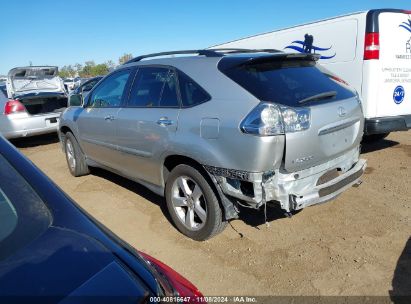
<point>33,80</point>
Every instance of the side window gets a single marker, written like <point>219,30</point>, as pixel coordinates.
<point>154,87</point>
<point>88,86</point>
<point>110,92</point>
<point>191,93</point>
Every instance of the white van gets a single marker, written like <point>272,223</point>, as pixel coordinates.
<point>370,50</point>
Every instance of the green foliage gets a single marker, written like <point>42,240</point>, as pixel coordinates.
<point>126,57</point>
<point>67,71</point>
<point>90,68</point>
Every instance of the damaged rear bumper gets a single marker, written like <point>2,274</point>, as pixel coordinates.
<point>293,191</point>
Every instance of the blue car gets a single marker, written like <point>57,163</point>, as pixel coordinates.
<point>52,251</point>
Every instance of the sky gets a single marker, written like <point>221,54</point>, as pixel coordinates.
<point>47,32</point>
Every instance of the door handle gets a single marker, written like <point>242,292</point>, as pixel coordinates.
<point>164,121</point>
<point>109,117</point>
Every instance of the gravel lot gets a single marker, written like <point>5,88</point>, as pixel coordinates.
<point>358,244</point>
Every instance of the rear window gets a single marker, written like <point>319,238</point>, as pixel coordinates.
<point>23,215</point>
<point>287,82</point>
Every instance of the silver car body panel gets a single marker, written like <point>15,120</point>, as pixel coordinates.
<point>209,133</point>
<point>29,80</point>
<point>23,124</point>
<point>37,82</point>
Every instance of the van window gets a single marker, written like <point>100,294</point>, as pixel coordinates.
<point>191,93</point>
<point>154,87</point>
<point>110,92</point>
<point>286,82</point>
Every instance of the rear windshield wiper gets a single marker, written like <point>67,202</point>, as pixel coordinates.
<point>320,96</point>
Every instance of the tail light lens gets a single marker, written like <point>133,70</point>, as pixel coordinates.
<point>270,119</point>
<point>13,106</point>
<point>372,46</point>
<point>173,283</point>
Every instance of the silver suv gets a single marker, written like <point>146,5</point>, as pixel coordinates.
<point>218,130</point>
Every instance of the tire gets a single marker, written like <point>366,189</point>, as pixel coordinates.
<point>192,204</point>
<point>76,161</point>
<point>374,137</point>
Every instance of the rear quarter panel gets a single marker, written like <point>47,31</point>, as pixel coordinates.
<point>224,146</point>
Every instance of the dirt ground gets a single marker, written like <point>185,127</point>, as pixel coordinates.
<point>358,244</point>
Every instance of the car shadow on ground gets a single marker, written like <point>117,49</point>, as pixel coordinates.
<point>368,147</point>
<point>133,187</point>
<point>251,217</point>
<point>401,282</point>
<point>255,218</point>
<point>35,141</point>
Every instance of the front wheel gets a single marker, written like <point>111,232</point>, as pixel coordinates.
<point>192,204</point>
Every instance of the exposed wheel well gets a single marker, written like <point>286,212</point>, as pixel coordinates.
<point>65,129</point>
<point>173,161</point>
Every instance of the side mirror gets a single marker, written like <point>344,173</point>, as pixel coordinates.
<point>75,100</point>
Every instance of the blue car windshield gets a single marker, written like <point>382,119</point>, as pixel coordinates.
<point>23,215</point>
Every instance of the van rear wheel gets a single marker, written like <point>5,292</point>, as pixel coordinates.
<point>193,206</point>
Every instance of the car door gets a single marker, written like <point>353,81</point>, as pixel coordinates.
<point>148,122</point>
<point>97,122</point>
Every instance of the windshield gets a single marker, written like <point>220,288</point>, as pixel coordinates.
<point>289,82</point>
<point>23,215</point>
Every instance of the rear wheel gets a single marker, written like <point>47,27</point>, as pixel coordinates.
<point>374,137</point>
<point>192,204</point>
<point>76,160</point>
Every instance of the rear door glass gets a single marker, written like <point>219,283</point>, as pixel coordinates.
<point>154,87</point>
<point>287,82</point>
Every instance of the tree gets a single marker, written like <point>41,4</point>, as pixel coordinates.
<point>126,57</point>
<point>63,73</point>
<point>110,64</point>
<point>78,67</point>
<point>100,69</point>
<point>87,70</point>
<point>66,71</point>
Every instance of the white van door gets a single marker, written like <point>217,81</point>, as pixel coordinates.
<point>394,96</point>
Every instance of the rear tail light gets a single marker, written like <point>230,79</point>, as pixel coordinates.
<point>372,46</point>
<point>172,282</point>
<point>269,119</point>
<point>13,106</point>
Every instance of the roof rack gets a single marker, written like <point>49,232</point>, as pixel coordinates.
<point>239,50</point>
<point>207,53</point>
